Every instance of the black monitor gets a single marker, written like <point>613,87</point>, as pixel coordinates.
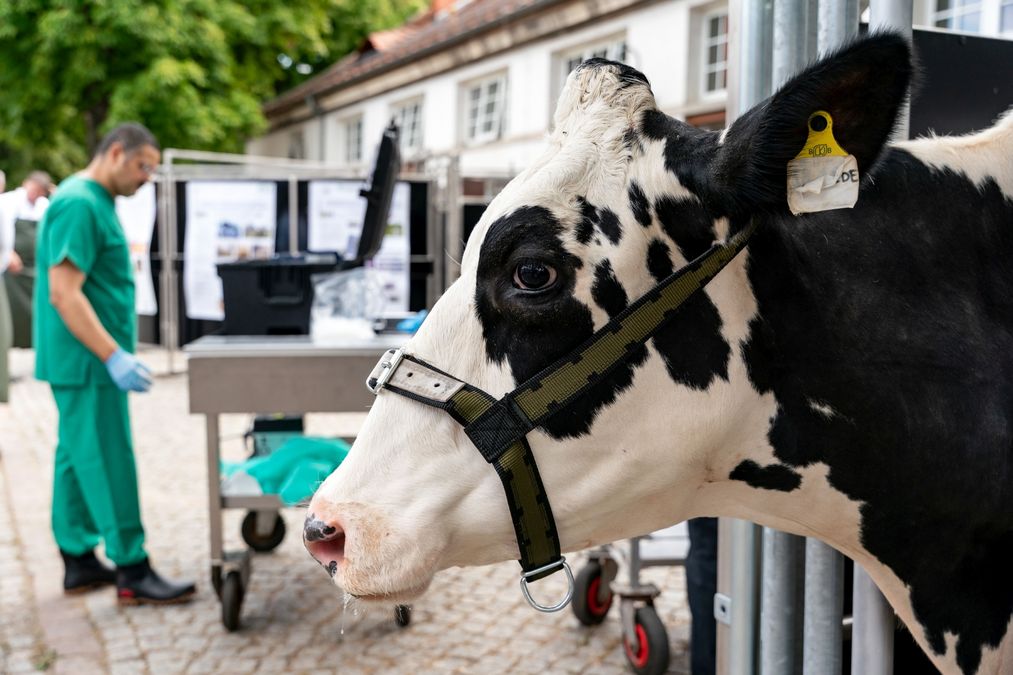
<point>378,196</point>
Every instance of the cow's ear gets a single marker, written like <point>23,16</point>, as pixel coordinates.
<point>862,86</point>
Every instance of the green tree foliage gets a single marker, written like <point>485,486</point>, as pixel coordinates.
<point>194,71</point>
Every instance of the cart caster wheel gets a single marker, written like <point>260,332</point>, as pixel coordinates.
<point>259,542</point>
<point>232,600</point>
<point>402,615</point>
<point>650,656</point>
<point>587,606</point>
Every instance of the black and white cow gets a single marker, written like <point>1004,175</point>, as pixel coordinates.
<point>849,376</point>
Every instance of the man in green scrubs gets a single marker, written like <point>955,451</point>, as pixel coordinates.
<point>84,325</point>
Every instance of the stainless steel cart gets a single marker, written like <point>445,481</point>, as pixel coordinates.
<point>275,374</point>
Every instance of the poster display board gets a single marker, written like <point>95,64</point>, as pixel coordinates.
<point>225,221</point>
<point>137,216</point>
<point>336,213</point>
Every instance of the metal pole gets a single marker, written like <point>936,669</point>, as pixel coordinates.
<point>837,22</point>
<point>293,214</point>
<point>822,639</point>
<point>872,629</point>
<point>742,638</point>
<point>781,600</point>
<point>781,603</point>
<point>170,301</point>
<point>750,25</point>
<point>894,15</point>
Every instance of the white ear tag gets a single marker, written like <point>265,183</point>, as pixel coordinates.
<point>822,176</point>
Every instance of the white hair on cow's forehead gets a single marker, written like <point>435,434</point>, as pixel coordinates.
<point>589,150</point>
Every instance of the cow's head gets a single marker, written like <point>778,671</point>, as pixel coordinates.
<point>623,195</point>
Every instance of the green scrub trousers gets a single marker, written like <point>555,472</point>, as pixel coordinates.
<point>95,480</point>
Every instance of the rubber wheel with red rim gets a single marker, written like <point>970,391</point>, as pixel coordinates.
<point>585,605</point>
<point>650,656</point>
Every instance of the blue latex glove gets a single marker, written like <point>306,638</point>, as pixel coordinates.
<point>127,372</point>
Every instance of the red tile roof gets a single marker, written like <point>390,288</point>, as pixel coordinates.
<point>438,28</point>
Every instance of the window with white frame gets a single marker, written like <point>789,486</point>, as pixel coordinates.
<point>353,139</point>
<point>613,49</point>
<point>408,117</point>
<point>484,106</point>
<point>962,15</point>
<point>986,17</point>
<point>714,73</point>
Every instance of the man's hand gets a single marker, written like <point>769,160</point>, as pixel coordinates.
<point>127,372</point>
<point>16,264</point>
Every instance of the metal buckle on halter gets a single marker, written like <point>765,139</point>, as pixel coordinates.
<point>559,564</point>
<point>388,364</point>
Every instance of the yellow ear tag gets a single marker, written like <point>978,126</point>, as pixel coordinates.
<point>823,176</point>
<point>821,141</point>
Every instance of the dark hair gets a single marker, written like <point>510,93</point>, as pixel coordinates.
<point>130,135</point>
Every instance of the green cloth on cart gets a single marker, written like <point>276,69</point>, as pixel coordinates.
<point>294,470</point>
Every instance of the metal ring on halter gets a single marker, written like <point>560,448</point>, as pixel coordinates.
<point>561,563</point>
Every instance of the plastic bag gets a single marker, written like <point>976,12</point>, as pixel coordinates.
<point>345,304</point>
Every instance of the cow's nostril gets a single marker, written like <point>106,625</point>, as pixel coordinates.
<point>325,542</point>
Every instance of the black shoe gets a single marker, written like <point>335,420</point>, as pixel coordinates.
<point>83,573</point>
<point>138,584</point>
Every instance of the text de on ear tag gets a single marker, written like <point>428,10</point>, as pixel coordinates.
<point>823,176</point>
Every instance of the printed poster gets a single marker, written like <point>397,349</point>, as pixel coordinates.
<point>225,221</point>
<point>336,214</point>
<point>137,216</point>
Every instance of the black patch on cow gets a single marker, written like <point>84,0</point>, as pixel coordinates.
<point>691,344</point>
<point>899,315</point>
<point>588,218</point>
<point>608,223</point>
<point>593,218</point>
<point>770,477</point>
<point>687,224</point>
<point>639,204</point>
<point>532,330</point>
<point>627,76</point>
<point>607,291</point>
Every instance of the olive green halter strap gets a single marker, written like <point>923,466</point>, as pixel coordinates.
<point>498,427</point>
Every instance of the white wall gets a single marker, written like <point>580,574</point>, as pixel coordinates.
<point>658,44</point>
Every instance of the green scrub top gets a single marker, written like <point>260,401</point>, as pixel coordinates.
<point>81,226</point>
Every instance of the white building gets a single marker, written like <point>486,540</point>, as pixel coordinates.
<point>478,80</point>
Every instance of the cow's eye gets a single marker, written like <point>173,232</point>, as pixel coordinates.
<point>533,276</point>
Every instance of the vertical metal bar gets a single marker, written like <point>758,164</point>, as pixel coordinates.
<point>781,603</point>
<point>750,24</point>
<point>742,638</point>
<point>837,22</point>
<point>214,490</point>
<point>164,322</point>
<point>790,30</point>
<point>781,588</point>
<point>170,301</point>
<point>455,221</point>
<point>293,213</point>
<point>894,15</point>
<point>822,640</point>
<point>872,629</point>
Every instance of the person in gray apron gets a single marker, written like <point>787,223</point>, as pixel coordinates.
<point>20,211</point>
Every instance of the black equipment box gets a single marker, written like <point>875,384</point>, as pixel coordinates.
<point>272,296</point>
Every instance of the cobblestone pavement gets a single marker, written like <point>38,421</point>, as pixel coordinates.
<point>471,620</point>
